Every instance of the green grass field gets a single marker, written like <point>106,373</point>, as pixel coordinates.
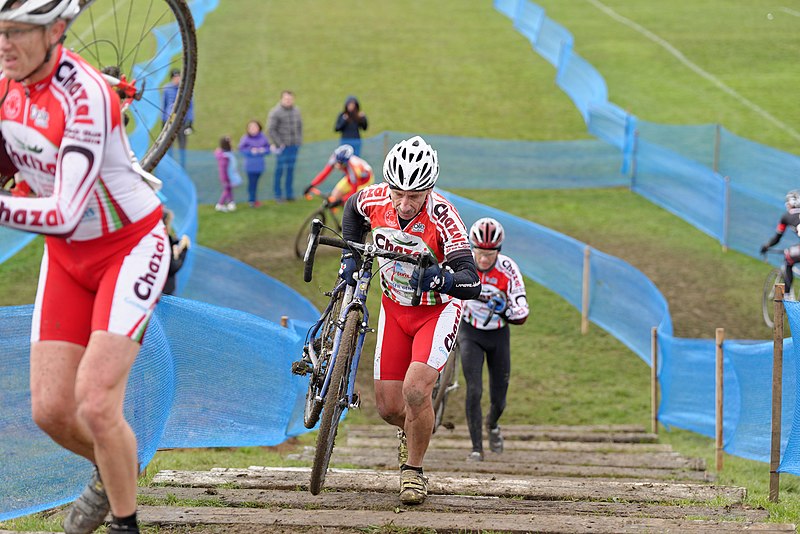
<point>457,67</point>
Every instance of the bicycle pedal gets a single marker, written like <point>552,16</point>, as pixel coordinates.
<point>300,368</point>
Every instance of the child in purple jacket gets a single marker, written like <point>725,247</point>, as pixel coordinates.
<point>228,174</point>
<point>254,145</point>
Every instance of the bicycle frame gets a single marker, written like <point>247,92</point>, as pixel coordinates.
<point>355,298</point>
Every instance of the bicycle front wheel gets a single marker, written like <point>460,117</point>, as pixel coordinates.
<point>301,239</point>
<point>335,400</point>
<point>138,43</point>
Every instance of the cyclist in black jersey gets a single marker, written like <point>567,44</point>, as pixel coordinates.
<point>483,334</point>
<point>790,219</point>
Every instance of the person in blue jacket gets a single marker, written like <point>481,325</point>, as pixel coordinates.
<point>350,122</point>
<point>167,103</point>
<point>254,146</point>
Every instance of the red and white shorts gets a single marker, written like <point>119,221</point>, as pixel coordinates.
<point>414,334</point>
<point>111,283</point>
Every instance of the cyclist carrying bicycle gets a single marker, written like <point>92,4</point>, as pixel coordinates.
<point>484,331</point>
<point>357,175</point>
<point>406,215</point>
<point>106,250</point>
<point>790,219</point>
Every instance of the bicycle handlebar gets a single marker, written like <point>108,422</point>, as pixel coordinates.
<point>421,261</point>
<point>486,299</point>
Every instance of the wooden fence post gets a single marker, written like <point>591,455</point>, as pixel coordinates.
<point>585,292</point>
<point>284,321</point>
<point>719,395</point>
<point>654,380</point>
<point>777,394</point>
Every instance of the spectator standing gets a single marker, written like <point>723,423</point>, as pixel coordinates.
<point>167,105</point>
<point>350,122</point>
<point>484,331</point>
<point>229,176</point>
<point>254,146</point>
<point>285,132</point>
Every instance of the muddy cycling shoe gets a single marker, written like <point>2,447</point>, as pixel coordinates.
<point>413,487</point>
<point>495,440</point>
<point>402,448</point>
<point>89,510</point>
<point>475,456</point>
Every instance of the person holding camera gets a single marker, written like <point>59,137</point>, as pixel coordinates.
<point>350,122</point>
<point>484,332</point>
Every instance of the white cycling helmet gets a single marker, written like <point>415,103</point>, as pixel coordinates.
<point>793,199</point>
<point>411,165</point>
<point>487,233</point>
<point>39,12</point>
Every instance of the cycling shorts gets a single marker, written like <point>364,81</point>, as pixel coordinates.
<point>414,334</point>
<point>110,283</point>
<point>346,188</point>
<point>792,254</point>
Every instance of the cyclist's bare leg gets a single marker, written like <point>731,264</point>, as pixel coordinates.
<point>407,405</point>
<point>417,389</point>
<point>100,392</point>
<point>390,403</point>
<point>54,367</point>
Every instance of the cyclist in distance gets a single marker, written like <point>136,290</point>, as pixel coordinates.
<point>106,250</point>
<point>357,175</point>
<point>484,331</point>
<point>405,215</point>
<point>790,219</point>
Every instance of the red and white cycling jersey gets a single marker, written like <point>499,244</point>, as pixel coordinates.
<point>66,136</point>
<point>437,228</point>
<point>357,175</point>
<point>505,277</point>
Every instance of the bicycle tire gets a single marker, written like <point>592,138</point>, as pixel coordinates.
<point>167,37</point>
<point>334,401</point>
<point>301,239</point>
<point>313,407</point>
<point>440,392</point>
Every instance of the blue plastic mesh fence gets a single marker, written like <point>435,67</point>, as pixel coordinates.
<point>790,461</point>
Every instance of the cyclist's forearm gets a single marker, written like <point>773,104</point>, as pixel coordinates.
<point>773,241</point>
<point>466,282</point>
<point>353,223</point>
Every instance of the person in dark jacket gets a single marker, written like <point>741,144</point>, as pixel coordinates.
<point>350,122</point>
<point>179,249</point>
<point>167,104</point>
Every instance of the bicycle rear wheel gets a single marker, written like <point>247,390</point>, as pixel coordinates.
<point>301,239</point>
<point>139,42</point>
<point>335,401</point>
<point>440,390</point>
<point>775,276</point>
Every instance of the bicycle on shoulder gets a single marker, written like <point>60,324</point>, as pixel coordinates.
<point>333,345</point>
<point>776,276</point>
<point>325,213</point>
<point>135,45</point>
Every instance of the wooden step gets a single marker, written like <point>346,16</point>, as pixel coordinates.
<point>457,483</point>
<point>521,433</point>
<point>360,519</point>
<point>368,500</point>
<point>514,445</point>
<point>383,460</point>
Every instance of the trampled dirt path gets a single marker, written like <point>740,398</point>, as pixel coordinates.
<point>548,479</point>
